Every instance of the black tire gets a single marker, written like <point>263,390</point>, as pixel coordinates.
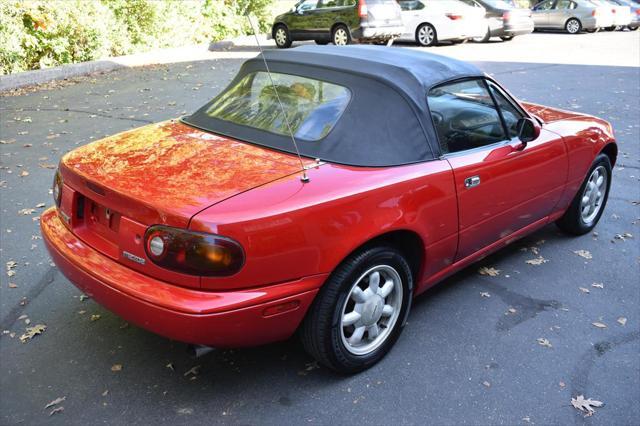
<point>592,30</point>
<point>507,38</point>
<point>321,331</point>
<point>460,41</point>
<point>573,26</point>
<point>341,36</point>
<point>282,36</point>
<point>322,42</point>
<point>633,28</point>
<point>484,38</point>
<point>572,222</point>
<point>429,40</point>
<point>611,28</point>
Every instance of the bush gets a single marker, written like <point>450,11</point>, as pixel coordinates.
<point>39,33</point>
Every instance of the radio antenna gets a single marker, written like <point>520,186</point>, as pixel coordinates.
<point>304,178</point>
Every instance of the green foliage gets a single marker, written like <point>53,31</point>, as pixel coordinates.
<point>42,33</point>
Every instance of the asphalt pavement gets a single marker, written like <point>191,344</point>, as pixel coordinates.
<point>471,352</point>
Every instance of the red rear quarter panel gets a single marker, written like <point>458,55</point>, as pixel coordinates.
<point>585,137</point>
<point>293,229</point>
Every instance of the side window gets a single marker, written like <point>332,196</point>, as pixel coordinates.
<point>465,116</point>
<point>564,4</point>
<point>411,5</point>
<point>324,4</point>
<point>307,5</point>
<point>545,5</point>
<point>510,113</point>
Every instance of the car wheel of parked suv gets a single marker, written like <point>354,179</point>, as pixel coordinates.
<point>360,311</point>
<point>281,36</point>
<point>426,35</point>
<point>341,36</point>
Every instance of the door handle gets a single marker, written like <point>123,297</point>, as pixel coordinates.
<point>472,181</point>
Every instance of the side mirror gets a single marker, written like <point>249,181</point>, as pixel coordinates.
<point>528,130</point>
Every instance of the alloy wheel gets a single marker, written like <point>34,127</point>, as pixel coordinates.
<point>281,37</point>
<point>371,310</point>
<point>573,26</point>
<point>593,195</point>
<point>340,37</point>
<point>426,35</point>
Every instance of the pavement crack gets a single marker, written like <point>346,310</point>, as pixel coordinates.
<point>13,315</point>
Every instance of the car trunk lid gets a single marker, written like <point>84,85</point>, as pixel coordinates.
<point>383,13</point>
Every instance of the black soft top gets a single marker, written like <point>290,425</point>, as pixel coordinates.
<point>387,122</point>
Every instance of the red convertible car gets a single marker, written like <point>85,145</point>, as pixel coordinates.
<point>211,230</point>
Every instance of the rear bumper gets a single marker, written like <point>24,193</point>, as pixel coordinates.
<point>220,319</point>
<point>378,33</point>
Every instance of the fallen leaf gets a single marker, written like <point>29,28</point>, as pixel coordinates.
<point>599,324</point>
<point>12,285</point>
<point>584,290</point>
<point>544,342</point>
<point>116,367</point>
<point>24,173</point>
<point>47,166</point>
<point>585,405</point>
<point>31,332</point>
<point>484,294</point>
<point>562,384</point>
<point>597,285</point>
<point>95,317</point>
<point>194,370</point>
<point>55,402</point>
<point>512,311</point>
<point>56,410</point>
<point>487,384</point>
<point>170,366</point>
<point>622,321</point>
<point>492,272</point>
<point>105,393</point>
<point>83,297</point>
<point>25,212</point>
<point>537,261</point>
<point>584,253</point>
<point>41,205</point>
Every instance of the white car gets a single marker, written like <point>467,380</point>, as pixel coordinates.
<point>430,21</point>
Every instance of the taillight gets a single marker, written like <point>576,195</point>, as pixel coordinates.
<point>595,12</point>
<point>56,189</point>
<point>362,9</point>
<point>453,16</point>
<point>194,253</point>
<point>637,11</point>
<point>506,16</point>
<point>613,11</point>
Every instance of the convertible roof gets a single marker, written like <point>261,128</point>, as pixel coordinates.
<point>411,71</point>
<point>387,122</point>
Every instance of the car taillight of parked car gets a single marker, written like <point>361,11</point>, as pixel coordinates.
<point>194,253</point>
<point>594,13</point>
<point>56,189</point>
<point>362,9</point>
<point>506,16</point>
<point>453,16</point>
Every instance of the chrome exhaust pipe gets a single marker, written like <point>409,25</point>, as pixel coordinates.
<point>198,351</point>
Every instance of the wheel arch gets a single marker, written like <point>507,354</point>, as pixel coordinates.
<point>573,17</point>
<point>336,25</point>
<point>276,25</point>
<point>611,151</point>
<point>407,242</point>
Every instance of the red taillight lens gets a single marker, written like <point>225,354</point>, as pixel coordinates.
<point>506,16</point>
<point>613,11</point>
<point>194,253</point>
<point>595,12</point>
<point>637,11</point>
<point>363,12</point>
<point>453,16</point>
<point>56,189</point>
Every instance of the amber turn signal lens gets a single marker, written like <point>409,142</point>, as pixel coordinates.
<point>194,253</point>
<point>56,189</point>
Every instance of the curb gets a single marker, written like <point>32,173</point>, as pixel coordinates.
<point>153,57</point>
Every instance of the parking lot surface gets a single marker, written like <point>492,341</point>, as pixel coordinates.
<point>470,353</point>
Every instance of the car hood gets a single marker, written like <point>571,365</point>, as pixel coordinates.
<point>548,114</point>
<point>167,172</point>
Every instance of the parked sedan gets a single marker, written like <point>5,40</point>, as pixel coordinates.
<point>634,6</point>
<point>572,16</point>
<point>621,13</point>
<point>428,21</point>
<point>293,201</point>
<point>504,20</point>
<point>340,22</point>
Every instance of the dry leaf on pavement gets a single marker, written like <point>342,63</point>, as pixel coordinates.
<point>492,272</point>
<point>597,285</point>
<point>116,367</point>
<point>622,321</point>
<point>599,324</point>
<point>484,294</point>
<point>55,402</point>
<point>537,261</point>
<point>584,253</point>
<point>544,342</point>
<point>584,290</point>
<point>32,331</point>
<point>585,405</point>
<point>56,410</point>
